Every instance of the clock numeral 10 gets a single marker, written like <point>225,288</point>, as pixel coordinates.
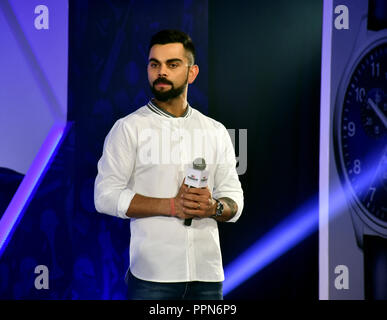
<point>375,69</point>
<point>360,94</point>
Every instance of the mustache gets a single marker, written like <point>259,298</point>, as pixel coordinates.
<point>163,81</point>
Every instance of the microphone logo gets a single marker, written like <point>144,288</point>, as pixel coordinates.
<point>192,177</point>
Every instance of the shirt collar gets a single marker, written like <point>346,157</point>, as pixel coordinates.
<point>156,109</point>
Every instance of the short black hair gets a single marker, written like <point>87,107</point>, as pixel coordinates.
<point>173,36</point>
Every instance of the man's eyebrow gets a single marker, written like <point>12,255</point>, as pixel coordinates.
<point>168,61</point>
<point>154,60</point>
<point>174,60</point>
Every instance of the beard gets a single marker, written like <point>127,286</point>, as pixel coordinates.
<point>168,94</point>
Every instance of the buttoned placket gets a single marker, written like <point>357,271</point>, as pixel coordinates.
<point>178,124</point>
<point>189,230</point>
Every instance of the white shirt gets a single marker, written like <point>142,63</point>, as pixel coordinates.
<point>148,152</point>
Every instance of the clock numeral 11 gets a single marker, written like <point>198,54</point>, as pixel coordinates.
<point>375,69</point>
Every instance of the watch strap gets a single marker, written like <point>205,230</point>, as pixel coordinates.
<point>377,15</point>
<point>375,267</point>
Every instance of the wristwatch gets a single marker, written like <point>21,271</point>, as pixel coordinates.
<point>219,209</point>
<point>360,144</point>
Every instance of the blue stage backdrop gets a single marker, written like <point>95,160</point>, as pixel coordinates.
<point>259,70</point>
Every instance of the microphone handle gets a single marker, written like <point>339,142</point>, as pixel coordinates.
<point>187,222</point>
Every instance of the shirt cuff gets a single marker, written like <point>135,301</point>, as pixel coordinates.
<point>239,202</point>
<point>124,201</point>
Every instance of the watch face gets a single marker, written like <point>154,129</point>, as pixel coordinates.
<point>361,134</point>
<point>219,208</point>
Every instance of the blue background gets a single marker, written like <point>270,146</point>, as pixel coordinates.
<point>259,70</point>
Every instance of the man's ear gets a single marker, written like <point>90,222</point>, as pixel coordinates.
<point>192,73</point>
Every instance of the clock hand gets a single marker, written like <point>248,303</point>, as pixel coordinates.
<point>378,112</point>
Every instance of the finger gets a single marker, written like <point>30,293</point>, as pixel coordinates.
<point>190,204</point>
<point>193,212</point>
<point>198,191</point>
<point>184,189</point>
<point>195,197</point>
<point>200,208</point>
<point>187,216</point>
<point>197,213</point>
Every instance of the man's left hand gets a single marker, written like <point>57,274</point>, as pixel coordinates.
<point>198,202</point>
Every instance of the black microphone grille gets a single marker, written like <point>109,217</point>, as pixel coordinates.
<point>199,164</point>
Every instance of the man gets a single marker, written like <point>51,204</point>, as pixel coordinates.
<point>141,176</point>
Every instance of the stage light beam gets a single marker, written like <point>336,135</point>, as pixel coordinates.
<point>29,184</point>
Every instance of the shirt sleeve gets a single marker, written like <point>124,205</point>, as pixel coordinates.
<point>226,181</point>
<point>111,193</point>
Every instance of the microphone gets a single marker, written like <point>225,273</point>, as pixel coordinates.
<point>196,177</point>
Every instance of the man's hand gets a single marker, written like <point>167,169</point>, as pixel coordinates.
<point>198,202</point>
<point>179,208</point>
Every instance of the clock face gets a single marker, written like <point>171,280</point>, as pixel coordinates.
<point>361,134</point>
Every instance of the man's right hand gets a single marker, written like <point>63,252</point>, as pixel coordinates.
<point>179,202</point>
<point>143,206</point>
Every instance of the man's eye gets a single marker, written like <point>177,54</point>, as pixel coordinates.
<point>153,65</point>
<point>173,65</point>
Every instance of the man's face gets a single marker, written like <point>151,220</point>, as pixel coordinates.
<point>169,71</point>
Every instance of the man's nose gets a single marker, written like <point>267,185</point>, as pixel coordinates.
<point>163,70</point>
